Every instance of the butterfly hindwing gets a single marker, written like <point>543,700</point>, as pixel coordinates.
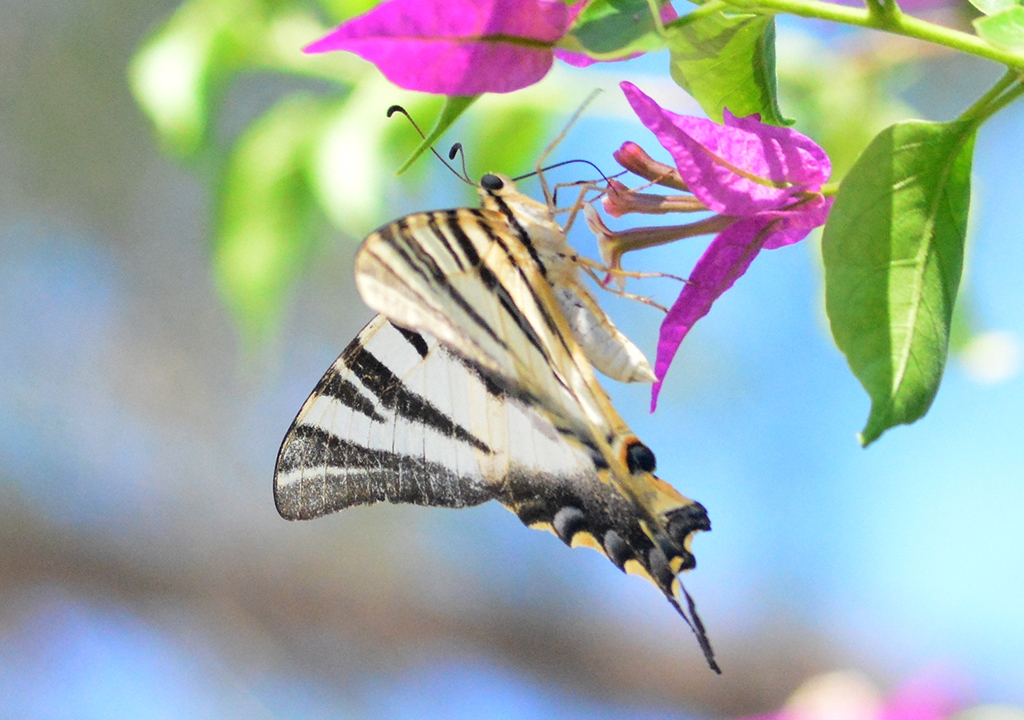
<point>364,435</point>
<point>427,428</point>
<point>413,433</point>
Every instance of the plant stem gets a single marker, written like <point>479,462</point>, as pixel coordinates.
<point>888,18</point>
<point>979,113</point>
<point>624,241</point>
<point>659,28</point>
<point>1004,82</point>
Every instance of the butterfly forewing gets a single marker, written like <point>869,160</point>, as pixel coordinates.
<point>466,281</point>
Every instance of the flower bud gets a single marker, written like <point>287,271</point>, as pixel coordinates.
<point>632,157</point>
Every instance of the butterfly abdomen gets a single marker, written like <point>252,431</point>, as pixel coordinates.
<point>605,346</point>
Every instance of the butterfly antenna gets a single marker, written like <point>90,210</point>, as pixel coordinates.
<point>458,150</point>
<point>539,171</point>
<point>558,138</point>
<point>464,177</point>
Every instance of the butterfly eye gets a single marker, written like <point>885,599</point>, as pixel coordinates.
<point>491,182</point>
<point>639,458</point>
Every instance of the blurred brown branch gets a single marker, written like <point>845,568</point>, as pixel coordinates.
<point>338,627</point>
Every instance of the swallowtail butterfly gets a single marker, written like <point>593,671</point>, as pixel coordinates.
<point>475,383</point>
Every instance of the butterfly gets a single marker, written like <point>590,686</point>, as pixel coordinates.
<point>475,383</point>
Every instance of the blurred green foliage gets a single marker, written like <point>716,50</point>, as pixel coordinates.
<point>616,27</point>
<point>320,158</point>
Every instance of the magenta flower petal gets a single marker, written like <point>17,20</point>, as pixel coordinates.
<point>765,180</point>
<point>455,47</point>
<point>574,58</point>
<point>726,259</point>
<point>924,699</point>
<point>740,168</point>
<point>794,225</point>
<point>577,59</point>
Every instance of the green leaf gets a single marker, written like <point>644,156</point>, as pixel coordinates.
<point>842,105</point>
<point>893,249</point>
<point>454,106</point>
<point>608,29</point>
<point>265,224</point>
<point>1005,30</point>
<point>994,7</point>
<point>727,61</point>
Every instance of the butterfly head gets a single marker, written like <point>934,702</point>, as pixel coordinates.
<point>494,183</point>
<point>533,221</point>
<point>499,192</point>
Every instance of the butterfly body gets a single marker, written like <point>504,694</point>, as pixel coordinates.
<point>472,384</point>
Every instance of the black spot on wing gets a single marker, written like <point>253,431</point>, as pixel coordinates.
<point>567,522</point>
<point>617,550</point>
<point>397,397</point>
<point>658,567</point>
<point>639,458</point>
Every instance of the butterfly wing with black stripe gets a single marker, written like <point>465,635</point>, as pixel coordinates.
<point>434,428</point>
<point>503,404</point>
<point>461,277</point>
<point>398,418</point>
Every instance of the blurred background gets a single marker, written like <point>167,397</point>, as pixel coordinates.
<point>175,276</point>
